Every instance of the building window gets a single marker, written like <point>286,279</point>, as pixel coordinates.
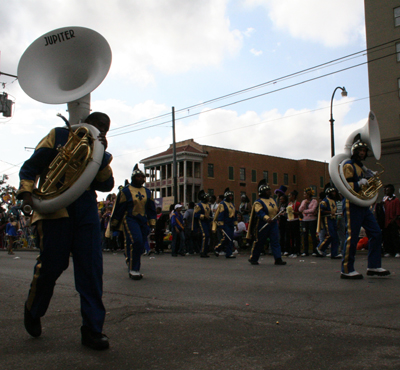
<point>180,168</point>
<point>242,174</point>
<point>211,192</point>
<point>294,179</point>
<point>285,179</point>
<point>398,51</point>
<point>189,169</point>
<point>398,85</point>
<point>253,176</point>
<point>210,170</point>
<point>321,181</point>
<point>265,176</point>
<point>396,12</point>
<point>230,175</point>
<point>197,170</point>
<point>275,178</point>
<point>253,197</point>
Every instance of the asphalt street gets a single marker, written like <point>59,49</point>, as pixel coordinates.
<point>214,313</point>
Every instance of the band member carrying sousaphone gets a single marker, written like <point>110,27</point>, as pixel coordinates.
<point>72,164</point>
<point>74,229</point>
<point>359,185</point>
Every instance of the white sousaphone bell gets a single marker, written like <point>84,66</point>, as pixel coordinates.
<point>369,134</point>
<point>64,66</point>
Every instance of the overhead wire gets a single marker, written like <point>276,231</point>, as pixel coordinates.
<point>265,121</point>
<point>273,81</point>
<point>256,96</point>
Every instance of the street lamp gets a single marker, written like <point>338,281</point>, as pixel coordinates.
<point>344,93</point>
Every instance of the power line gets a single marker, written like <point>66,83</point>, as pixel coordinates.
<point>299,73</point>
<point>259,95</point>
<point>266,121</point>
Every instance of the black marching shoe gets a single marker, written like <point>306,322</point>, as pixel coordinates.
<point>354,275</point>
<point>32,326</point>
<point>279,261</point>
<point>231,256</point>
<point>204,256</point>
<point>253,262</point>
<point>97,341</point>
<point>377,272</point>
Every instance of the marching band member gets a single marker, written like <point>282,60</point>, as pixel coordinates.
<point>225,219</point>
<point>74,229</point>
<point>135,210</point>
<point>327,217</point>
<point>356,217</point>
<point>201,222</point>
<point>263,225</point>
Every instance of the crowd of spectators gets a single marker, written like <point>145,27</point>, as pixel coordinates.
<point>298,225</point>
<point>15,229</point>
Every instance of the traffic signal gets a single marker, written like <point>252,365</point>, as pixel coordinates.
<point>5,105</point>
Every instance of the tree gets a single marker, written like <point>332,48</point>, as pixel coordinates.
<point>7,192</point>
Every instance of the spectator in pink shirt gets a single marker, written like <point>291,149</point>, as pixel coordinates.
<point>309,209</point>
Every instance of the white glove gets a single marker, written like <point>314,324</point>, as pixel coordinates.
<point>363,182</point>
<point>369,173</point>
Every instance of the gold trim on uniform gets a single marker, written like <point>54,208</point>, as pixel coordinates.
<point>32,291</point>
<point>127,231</point>
<point>48,141</point>
<point>347,254</point>
<point>139,196</point>
<point>25,186</point>
<point>104,174</point>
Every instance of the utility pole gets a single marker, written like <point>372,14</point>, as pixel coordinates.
<point>174,167</point>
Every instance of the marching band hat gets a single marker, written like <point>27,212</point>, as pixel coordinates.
<point>359,145</point>
<point>203,195</point>
<point>262,186</point>
<point>227,192</point>
<point>137,171</point>
<point>330,190</point>
<point>282,190</point>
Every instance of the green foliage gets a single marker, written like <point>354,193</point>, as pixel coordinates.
<point>7,192</point>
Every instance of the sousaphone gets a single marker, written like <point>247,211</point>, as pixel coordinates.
<point>369,134</point>
<point>64,66</point>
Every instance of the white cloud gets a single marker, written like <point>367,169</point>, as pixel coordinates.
<point>255,52</point>
<point>293,134</point>
<point>147,36</point>
<point>249,31</point>
<point>330,23</point>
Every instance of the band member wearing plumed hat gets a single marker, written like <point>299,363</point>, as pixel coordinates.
<point>327,220</point>
<point>356,216</point>
<point>75,229</point>
<point>135,209</point>
<point>225,219</point>
<point>263,225</point>
<point>201,222</point>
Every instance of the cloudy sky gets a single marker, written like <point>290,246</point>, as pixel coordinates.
<point>187,55</point>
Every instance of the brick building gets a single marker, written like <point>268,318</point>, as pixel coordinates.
<point>382,23</point>
<point>214,169</point>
